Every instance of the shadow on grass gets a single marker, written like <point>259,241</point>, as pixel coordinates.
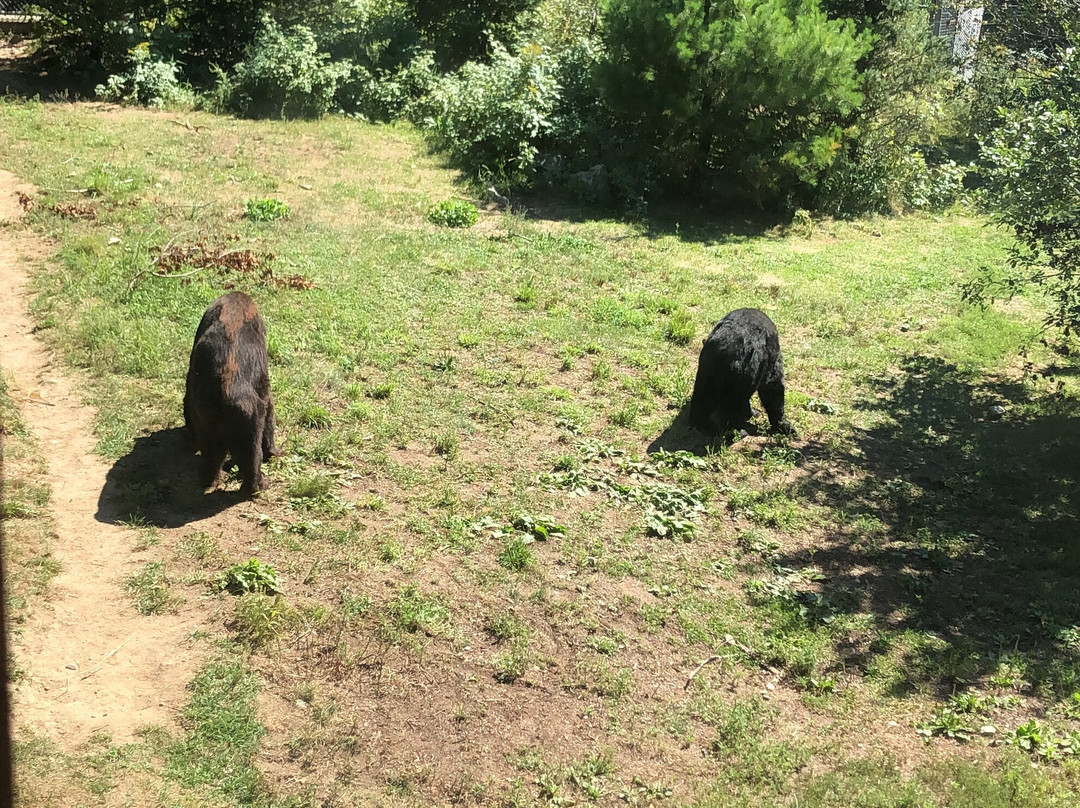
<point>699,224</point>
<point>960,527</point>
<point>155,484</point>
<point>26,75</point>
<point>680,436</point>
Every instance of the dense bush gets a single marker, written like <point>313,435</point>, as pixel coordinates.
<point>283,75</point>
<point>215,33</point>
<point>95,38</point>
<point>1031,172</point>
<point>388,67</point>
<point>489,117</point>
<point>913,103</point>
<point>728,100</point>
<point>459,31</point>
<point>149,81</point>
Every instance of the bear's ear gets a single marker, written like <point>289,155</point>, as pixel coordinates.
<point>704,341</point>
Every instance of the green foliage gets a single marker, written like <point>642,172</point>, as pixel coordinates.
<point>892,160</point>
<point>388,67</point>
<point>1042,742</point>
<point>149,81</point>
<point>1031,165</point>
<point>265,210</point>
<point>253,576</point>
<point>217,32</point>
<point>453,213</point>
<point>283,75</point>
<point>680,328</point>
<point>219,751</point>
<point>459,31</point>
<point>96,38</point>
<point>743,98</point>
<point>150,587</point>
<point>260,621</point>
<point>946,723</point>
<point>489,117</point>
<point>516,555</point>
<point>412,611</point>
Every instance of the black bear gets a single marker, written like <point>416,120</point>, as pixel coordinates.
<point>741,356</point>
<point>227,403</point>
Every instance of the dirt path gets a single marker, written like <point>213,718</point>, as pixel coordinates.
<point>91,662</point>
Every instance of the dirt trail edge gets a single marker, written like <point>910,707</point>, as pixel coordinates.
<point>90,661</point>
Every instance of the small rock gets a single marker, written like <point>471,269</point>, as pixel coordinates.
<point>114,240</point>
<point>72,666</point>
<point>905,326</point>
<point>770,686</point>
<point>593,182</point>
<point>301,704</point>
<point>875,233</point>
<point>988,729</point>
<point>893,724</point>
<point>305,186</point>
<point>995,412</point>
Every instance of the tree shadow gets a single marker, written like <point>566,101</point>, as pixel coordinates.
<point>26,75</point>
<point>956,525</point>
<point>686,221</point>
<point>155,484</point>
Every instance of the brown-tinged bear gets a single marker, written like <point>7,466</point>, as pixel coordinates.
<point>741,356</point>
<point>227,404</point>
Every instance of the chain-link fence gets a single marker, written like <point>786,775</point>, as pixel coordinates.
<point>16,13</point>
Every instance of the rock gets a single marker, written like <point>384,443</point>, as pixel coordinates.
<point>823,407</point>
<point>72,666</point>
<point>995,412</point>
<point>988,729</point>
<point>592,182</point>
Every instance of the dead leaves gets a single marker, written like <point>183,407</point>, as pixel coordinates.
<point>227,263</point>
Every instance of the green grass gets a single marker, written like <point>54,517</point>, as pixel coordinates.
<point>437,388</point>
<point>150,587</point>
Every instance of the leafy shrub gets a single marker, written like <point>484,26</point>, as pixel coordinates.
<point>265,210</point>
<point>217,32</point>
<point>453,213</point>
<point>96,38</point>
<point>490,117</point>
<point>912,104</point>
<point>254,576</point>
<point>378,95</point>
<point>388,65</point>
<point>149,81</point>
<point>283,75</point>
<point>1030,166</point>
<point>459,32</point>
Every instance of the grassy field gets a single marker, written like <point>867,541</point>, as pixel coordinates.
<point>509,573</point>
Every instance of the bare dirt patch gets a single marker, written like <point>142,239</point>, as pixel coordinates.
<point>89,661</point>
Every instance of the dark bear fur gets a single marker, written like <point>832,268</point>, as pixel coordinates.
<point>227,403</point>
<point>741,356</point>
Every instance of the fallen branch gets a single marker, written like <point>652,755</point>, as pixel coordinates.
<point>697,670</point>
<point>187,125</point>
